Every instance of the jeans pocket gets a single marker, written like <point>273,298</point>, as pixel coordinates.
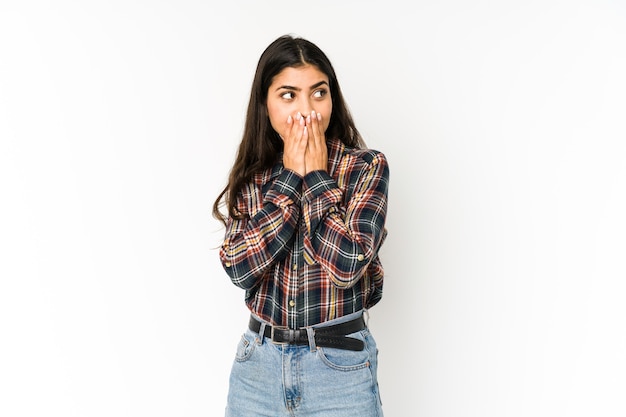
<point>343,359</point>
<point>245,347</point>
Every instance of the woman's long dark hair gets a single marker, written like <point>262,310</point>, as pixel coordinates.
<point>261,145</point>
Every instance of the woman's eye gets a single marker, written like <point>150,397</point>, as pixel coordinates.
<point>319,93</point>
<point>287,96</point>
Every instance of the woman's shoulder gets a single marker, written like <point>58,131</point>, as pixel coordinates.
<point>368,155</point>
<point>346,161</point>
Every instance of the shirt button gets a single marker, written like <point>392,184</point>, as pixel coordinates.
<point>292,303</point>
<point>360,257</point>
<point>295,266</point>
<point>227,264</point>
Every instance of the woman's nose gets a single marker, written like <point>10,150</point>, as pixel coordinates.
<point>305,108</point>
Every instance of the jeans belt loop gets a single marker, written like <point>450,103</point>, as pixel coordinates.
<point>310,332</point>
<point>261,337</point>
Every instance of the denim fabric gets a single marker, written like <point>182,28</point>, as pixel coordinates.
<point>284,380</point>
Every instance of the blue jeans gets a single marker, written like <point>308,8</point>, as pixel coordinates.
<point>274,380</point>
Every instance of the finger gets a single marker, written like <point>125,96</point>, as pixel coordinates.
<point>293,126</point>
<point>288,129</point>
<point>318,135</point>
<point>297,133</point>
<point>309,132</point>
<point>315,124</point>
<point>319,123</point>
<point>302,126</point>
<point>287,134</point>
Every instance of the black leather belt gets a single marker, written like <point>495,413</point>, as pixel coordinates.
<point>333,336</point>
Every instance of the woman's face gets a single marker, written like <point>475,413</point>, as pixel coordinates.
<point>300,89</point>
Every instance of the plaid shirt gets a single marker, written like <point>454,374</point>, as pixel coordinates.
<point>307,250</point>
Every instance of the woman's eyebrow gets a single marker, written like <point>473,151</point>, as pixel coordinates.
<point>318,84</point>
<point>289,87</point>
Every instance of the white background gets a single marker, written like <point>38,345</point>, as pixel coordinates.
<point>504,124</point>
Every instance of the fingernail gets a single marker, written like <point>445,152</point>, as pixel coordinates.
<point>313,114</point>
<point>319,116</point>
<point>308,119</point>
<point>289,119</point>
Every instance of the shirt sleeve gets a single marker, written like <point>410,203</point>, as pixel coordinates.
<point>253,244</point>
<point>345,239</point>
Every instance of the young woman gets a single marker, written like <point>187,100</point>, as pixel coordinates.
<point>305,206</point>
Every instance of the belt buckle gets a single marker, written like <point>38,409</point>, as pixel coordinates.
<point>291,335</point>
